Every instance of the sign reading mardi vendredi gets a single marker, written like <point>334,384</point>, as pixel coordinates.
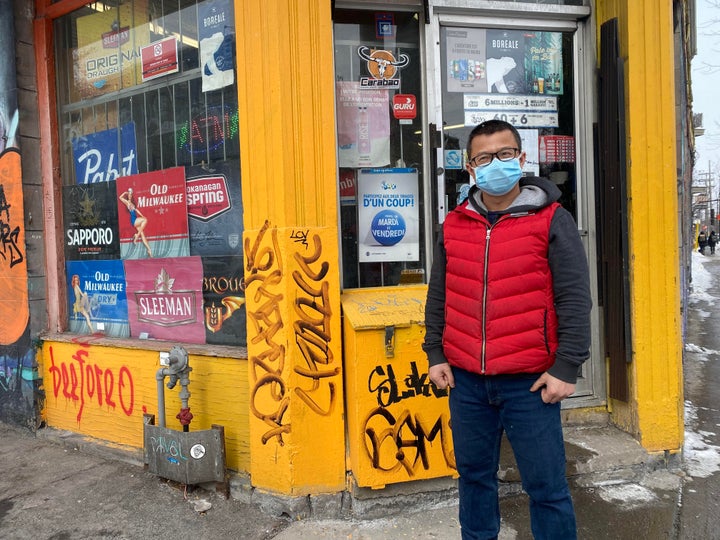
<point>105,156</point>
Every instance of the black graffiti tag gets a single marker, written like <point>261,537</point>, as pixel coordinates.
<point>404,442</point>
<point>8,235</point>
<point>264,274</point>
<point>312,331</point>
<point>387,388</point>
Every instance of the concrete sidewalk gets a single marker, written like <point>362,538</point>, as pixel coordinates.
<point>61,485</point>
<point>619,491</point>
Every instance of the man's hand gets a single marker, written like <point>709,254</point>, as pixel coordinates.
<point>442,376</point>
<point>553,389</point>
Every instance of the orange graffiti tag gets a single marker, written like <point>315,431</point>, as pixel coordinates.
<point>14,306</point>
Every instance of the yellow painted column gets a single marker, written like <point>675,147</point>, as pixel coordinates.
<point>287,140</point>
<point>656,369</point>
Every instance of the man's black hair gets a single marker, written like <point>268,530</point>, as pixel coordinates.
<point>493,126</point>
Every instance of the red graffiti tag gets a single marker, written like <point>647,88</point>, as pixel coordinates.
<point>79,379</point>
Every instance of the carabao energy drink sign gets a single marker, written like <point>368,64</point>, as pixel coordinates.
<point>108,54</point>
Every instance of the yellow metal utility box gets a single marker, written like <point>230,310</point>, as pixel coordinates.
<point>398,421</point>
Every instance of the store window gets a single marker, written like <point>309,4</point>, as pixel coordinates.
<point>379,141</point>
<point>522,76</point>
<point>152,212</point>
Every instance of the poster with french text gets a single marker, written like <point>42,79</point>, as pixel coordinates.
<point>466,60</point>
<point>165,299</point>
<point>97,301</point>
<point>363,119</point>
<point>152,215</point>
<point>388,215</point>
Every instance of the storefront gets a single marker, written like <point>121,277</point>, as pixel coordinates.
<point>271,206</point>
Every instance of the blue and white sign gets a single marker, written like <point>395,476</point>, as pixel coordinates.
<point>453,159</point>
<point>97,300</point>
<point>105,155</point>
<point>217,44</point>
<point>388,215</point>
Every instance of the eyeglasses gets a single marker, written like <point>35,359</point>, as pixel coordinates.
<point>485,158</point>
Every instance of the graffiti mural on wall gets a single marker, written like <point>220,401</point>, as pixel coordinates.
<point>18,394</point>
<point>318,371</point>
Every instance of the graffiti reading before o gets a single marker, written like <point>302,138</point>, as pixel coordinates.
<point>79,379</point>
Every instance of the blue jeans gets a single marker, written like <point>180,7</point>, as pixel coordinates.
<point>481,408</point>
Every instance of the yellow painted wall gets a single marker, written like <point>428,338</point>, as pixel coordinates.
<point>655,373</point>
<point>290,196</point>
<point>295,360</point>
<point>103,392</point>
<point>398,423</point>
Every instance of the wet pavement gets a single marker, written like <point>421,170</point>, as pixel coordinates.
<point>57,485</point>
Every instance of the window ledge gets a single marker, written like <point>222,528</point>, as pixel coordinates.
<point>224,351</point>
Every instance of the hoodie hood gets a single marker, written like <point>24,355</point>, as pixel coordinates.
<point>535,193</point>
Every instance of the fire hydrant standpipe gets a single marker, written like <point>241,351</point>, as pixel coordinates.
<point>177,370</point>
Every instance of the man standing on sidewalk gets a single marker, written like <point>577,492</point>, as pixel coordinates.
<point>507,329</point>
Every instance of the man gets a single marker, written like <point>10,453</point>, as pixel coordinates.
<point>507,329</point>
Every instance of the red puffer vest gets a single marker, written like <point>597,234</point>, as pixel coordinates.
<point>499,309</point>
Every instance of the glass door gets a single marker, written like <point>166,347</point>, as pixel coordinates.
<point>528,76</point>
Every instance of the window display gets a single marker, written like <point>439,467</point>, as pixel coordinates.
<point>379,141</point>
<point>147,101</point>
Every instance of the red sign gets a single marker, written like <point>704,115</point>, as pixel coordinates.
<point>207,197</point>
<point>404,106</point>
<point>347,183</point>
<point>159,58</point>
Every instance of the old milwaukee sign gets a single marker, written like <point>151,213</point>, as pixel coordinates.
<point>207,197</point>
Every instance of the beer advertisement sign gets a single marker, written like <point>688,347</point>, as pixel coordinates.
<point>91,222</point>
<point>224,301</point>
<point>153,215</point>
<point>165,299</point>
<point>97,301</point>
<point>214,209</point>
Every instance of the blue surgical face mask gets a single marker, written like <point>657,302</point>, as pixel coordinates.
<point>499,177</point>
